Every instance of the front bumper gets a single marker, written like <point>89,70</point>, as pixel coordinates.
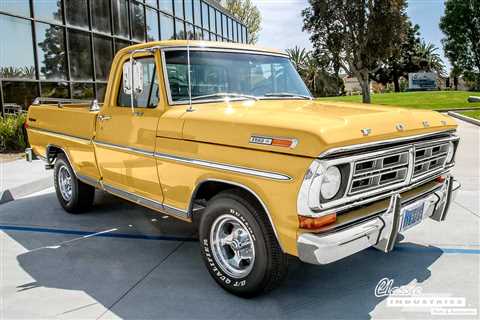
<point>380,232</point>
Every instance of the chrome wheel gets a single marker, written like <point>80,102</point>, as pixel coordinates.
<point>65,183</point>
<point>232,246</point>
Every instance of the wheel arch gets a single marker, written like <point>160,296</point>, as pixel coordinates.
<point>208,188</point>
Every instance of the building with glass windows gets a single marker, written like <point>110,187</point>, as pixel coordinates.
<point>64,48</point>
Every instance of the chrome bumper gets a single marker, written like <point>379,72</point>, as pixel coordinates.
<point>380,232</point>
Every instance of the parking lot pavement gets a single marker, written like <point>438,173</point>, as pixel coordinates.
<point>124,261</point>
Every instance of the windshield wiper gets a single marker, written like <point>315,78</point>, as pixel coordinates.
<point>287,94</point>
<point>226,95</point>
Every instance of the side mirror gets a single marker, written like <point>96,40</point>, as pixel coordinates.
<point>132,77</point>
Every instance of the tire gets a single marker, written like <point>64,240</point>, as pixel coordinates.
<point>79,196</point>
<point>266,265</point>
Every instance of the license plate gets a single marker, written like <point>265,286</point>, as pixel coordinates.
<point>412,216</point>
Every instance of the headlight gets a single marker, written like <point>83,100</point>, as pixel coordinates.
<point>450,152</point>
<point>331,183</point>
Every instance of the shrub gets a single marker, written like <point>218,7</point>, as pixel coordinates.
<point>12,134</point>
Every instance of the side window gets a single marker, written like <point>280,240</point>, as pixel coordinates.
<point>149,97</point>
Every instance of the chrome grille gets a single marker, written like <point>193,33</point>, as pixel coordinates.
<point>378,172</point>
<point>429,158</point>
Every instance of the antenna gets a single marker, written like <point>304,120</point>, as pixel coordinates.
<point>190,109</point>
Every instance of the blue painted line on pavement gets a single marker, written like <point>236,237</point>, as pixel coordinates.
<point>401,248</point>
<point>96,234</point>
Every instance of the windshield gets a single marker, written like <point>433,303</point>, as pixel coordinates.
<point>216,75</point>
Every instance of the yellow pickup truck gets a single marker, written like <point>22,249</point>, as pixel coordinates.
<point>228,135</point>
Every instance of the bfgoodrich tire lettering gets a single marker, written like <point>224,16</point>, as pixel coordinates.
<point>269,263</point>
<point>74,195</point>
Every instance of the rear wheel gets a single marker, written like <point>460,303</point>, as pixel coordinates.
<point>74,195</point>
<point>239,247</point>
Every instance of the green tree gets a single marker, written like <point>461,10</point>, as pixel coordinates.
<point>298,56</point>
<point>428,58</point>
<point>461,26</point>
<point>359,33</point>
<point>402,61</point>
<point>247,13</point>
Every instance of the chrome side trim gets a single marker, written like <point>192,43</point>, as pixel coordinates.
<point>146,202</point>
<point>224,167</point>
<point>265,208</point>
<point>203,163</point>
<point>60,135</point>
<point>123,148</point>
<point>383,143</point>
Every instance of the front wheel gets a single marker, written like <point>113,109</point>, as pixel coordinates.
<point>239,247</point>
<point>74,195</point>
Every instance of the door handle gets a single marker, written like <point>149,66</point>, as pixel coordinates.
<point>138,114</point>
<point>102,117</point>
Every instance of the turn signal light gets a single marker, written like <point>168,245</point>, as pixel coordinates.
<point>440,179</point>
<point>288,143</point>
<point>316,223</point>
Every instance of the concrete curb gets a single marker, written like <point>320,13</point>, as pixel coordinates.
<point>458,109</point>
<point>8,195</point>
<point>464,118</point>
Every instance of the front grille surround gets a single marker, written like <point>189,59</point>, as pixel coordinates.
<point>375,173</point>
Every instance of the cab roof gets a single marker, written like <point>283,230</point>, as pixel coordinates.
<point>200,44</point>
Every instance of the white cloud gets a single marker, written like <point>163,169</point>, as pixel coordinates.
<point>282,24</point>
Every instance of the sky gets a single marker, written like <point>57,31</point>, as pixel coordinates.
<point>282,22</point>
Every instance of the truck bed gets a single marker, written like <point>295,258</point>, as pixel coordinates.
<point>69,127</point>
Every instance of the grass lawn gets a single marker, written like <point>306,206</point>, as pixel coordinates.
<point>421,100</point>
<point>472,114</point>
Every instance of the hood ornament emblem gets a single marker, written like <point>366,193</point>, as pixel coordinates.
<point>366,131</point>
<point>444,122</point>
<point>426,124</point>
<point>400,127</point>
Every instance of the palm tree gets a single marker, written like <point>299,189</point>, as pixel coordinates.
<point>429,59</point>
<point>299,57</point>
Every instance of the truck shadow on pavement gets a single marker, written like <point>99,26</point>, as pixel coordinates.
<point>141,278</point>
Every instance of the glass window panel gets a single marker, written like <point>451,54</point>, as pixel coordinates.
<point>190,33</point>
<point>229,26</point>
<point>54,89</point>
<point>18,7</point>
<point>82,91</point>
<point>233,30</point>
<point>19,94</point>
<point>205,23</point>
<point>224,26</point>
<point>149,97</point>
<point>50,10</point>
<point>77,13</point>
<point>166,27</point>
<point>103,56</point>
<point>151,3</point>
<point>206,35</point>
<point>219,21</point>
<point>197,14</point>
<point>101,89</point>
<point>212,19</point>
<point>101,16</point>
<point>179,29</point>
<point>51,51</point>
<point>120,44</point>
<point>166,5</point>
<point>137,14</point>
<point>17,60</point>
<point>212,37</point>
<point>152,25</point>
<point>178,6</point>
<point>189,10</point>
<point>80,55</point>
<point>198,33</point>
<point>120,15</point>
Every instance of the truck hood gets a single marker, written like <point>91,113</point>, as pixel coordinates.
<point>317,125</point>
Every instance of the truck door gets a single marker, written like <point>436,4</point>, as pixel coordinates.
<point>125,138</point>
